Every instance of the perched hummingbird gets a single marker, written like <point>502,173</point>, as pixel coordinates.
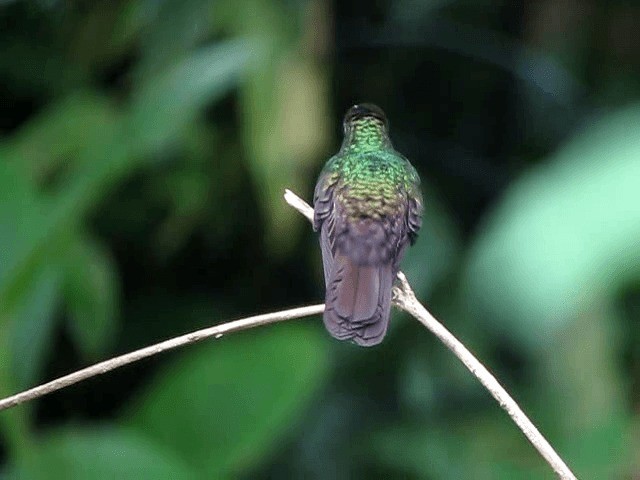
<point>368,208</point>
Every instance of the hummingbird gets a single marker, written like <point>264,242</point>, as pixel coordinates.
<point>368,208</point>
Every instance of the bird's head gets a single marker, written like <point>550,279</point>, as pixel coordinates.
<point>365,114</point>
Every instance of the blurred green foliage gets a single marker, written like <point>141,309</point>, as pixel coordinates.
<point>144,149</point>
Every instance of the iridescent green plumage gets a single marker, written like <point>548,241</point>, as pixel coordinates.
<point>368,208</point>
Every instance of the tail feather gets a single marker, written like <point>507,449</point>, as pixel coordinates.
<point>355,291</point>
<point>358,301</point>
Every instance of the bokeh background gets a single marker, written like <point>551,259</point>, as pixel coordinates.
<point>145,146</point>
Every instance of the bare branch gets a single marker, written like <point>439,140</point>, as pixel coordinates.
<point>187,339</point>
<point>299,204</point>
<point>405,299</point>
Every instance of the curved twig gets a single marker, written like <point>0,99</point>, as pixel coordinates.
<point>131,357</point>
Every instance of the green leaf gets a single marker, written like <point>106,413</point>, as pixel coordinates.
<point>32,326</point>
<point>34,224</point>
<point>424,452</point>
<point>483,447</point>
<point>25,341</point>
<point>595,437</point>
<point>224,406</point>
<point>20,219</point>
<point>92,295</point>
<point>177,26</point>
<point>602,450</point>
<point>436,250</point>
<point>285,110</point>
<point>168,101</point>
<point>564,237</point>
<point>54,138</point>
<point>286,125</point>
<point>594,338</point>
<point>96,454</point>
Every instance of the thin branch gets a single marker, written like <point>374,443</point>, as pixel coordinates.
<point>405,299</point>
<point>299,204</point>
<point>187,339</point>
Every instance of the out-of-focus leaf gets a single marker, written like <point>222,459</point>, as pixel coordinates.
<point>482,447</point>
<point>582,380</point>
<point>91,292</point>
<point>284,103</point>
<point>134,17</point>
<point>564,237</point>
<point>31,328</point>
<point>54,138</point>
<point>176,27</point>
<point>31,66</point>
<point>284,143</point>
<point>25,331</point>
<point>436,249</point>
<point>426,453</point>
<point>224,406</point>
<point>20,217</point>
<point>168,28</point>
<point>99,454</point>
<point>167,101</point>
<point>104,159</point>
<point>412,12</point>
<point>92,42</point>
<point>602,450</point>
<point>187,193</point>
<point>592,339</point>
<point>19,210</point>
<point>421,383</point>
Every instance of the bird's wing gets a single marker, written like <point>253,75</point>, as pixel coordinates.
<point>415,206</point>
<point>324,217</point>
<point>323,196</point>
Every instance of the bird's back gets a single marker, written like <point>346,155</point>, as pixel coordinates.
<point>367,206</point>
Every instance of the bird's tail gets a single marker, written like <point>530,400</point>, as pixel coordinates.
<point>358,300</point>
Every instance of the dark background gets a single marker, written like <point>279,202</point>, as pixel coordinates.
<point>144,149</point>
